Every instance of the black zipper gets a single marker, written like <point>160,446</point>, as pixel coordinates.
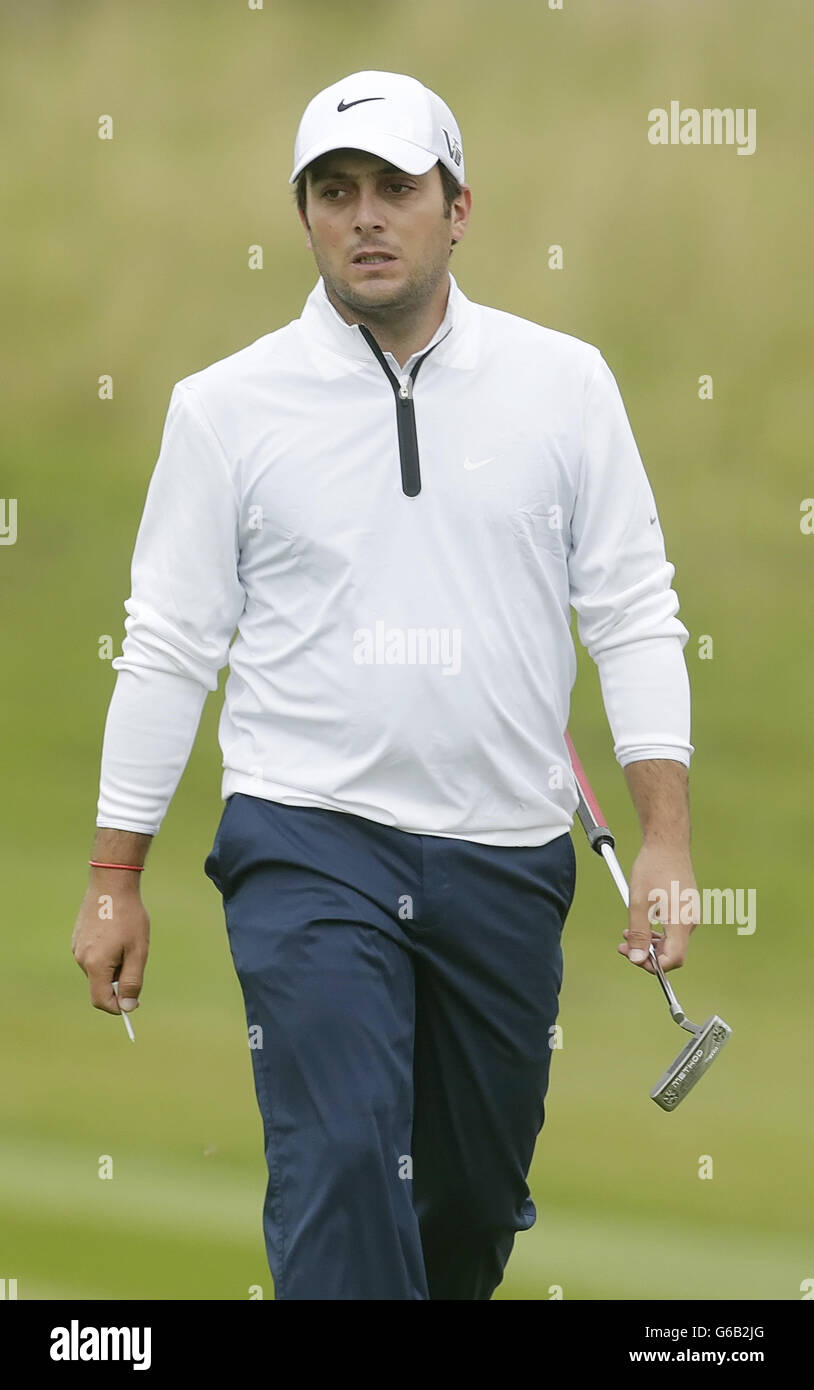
<point>405,414</point>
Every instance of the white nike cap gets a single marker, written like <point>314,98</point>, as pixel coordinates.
<point>383,113</point>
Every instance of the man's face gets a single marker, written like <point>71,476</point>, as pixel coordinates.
<point>358,202</point>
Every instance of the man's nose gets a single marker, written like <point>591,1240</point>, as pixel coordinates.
<point>369,209</point>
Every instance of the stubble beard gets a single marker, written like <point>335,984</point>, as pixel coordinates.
<point>403,302</point>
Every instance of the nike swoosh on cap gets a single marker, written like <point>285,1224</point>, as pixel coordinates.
<point>470,465</point>
<point>346,105</point>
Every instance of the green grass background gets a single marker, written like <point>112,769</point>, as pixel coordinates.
<point>130,257</point>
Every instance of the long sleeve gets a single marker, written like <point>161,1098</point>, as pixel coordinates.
<point>621,587</point>
<point>185,601</point>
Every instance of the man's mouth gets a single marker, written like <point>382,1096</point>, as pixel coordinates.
<point>372,258</point>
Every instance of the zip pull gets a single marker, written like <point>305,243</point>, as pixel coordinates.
<point>406,389</point>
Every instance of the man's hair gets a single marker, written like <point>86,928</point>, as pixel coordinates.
<point>449,183</point>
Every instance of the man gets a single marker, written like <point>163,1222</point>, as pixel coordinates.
<point>399,553</point>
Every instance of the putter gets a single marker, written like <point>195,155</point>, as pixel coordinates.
<point>707,1038</point>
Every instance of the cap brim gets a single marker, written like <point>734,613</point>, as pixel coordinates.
<point>412,159</point>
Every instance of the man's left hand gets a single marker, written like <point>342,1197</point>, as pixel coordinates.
<point>660,875</point>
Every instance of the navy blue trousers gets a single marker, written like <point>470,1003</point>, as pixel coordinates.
<point>401,992</point>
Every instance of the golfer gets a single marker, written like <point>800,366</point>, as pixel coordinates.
<point>394,501</point>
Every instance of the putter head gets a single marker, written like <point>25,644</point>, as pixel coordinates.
<point>691,1063</point>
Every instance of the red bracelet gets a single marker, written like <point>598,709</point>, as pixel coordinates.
<point>97,864</point>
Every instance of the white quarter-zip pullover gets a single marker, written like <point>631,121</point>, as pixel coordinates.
<point>398,549</point>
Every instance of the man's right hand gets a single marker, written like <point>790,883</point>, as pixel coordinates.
<point>112,933</point>
<point>110,942</point>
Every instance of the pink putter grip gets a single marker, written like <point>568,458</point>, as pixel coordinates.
<point>584,784</point>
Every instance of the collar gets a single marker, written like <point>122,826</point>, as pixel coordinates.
<point>329,337</point>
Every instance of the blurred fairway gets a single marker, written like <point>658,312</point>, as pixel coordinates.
<point>130,257</point>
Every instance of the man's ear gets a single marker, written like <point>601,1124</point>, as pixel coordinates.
<point>461,209</point>
<point>304,222</point>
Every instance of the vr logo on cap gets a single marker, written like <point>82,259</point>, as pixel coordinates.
<point>455,152</point>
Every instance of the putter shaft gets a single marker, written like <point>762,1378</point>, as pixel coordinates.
<point>708,1038</point>
<point>609,855</point>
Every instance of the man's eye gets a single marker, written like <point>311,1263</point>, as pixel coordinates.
<point>328,191</point>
